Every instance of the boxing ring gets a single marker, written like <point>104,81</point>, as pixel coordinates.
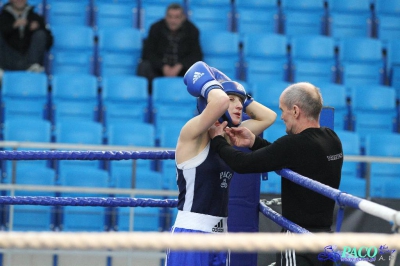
<point>244,238</point>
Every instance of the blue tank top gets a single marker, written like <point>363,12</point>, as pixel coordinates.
<point>203,183</point>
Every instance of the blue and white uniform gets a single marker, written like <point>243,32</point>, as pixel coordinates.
<point>203,183</point>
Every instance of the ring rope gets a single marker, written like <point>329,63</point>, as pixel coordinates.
<point>345,199</point>
<point>159,241</point>
<point>280,220</point>
<point>86,155</point>
<point>87,201</point>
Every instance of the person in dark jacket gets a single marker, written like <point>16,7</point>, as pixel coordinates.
<point>172,46</point>
<point>24,38</point>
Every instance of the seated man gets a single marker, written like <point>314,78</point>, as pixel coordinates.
<point>24,38</point>
<point>171,47</point>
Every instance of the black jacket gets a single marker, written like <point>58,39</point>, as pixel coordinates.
<point>189,50</point>
<point>12,36</point>
<point>315,153</point>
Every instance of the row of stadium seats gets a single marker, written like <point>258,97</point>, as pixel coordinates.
<point>339,18</point>
<point>251,57</point>
<point>124,100</point>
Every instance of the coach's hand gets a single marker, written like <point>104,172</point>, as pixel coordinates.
<point>240,136</point>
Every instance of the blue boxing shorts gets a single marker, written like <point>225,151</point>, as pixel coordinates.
<point>196,258</point>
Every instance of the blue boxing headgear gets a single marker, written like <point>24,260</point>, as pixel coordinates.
<point>230,88</point>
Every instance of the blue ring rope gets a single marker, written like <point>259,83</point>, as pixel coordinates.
<point>87,201</point>
<point>335,194</point>
<point>86,155</point>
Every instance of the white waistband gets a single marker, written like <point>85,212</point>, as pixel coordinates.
<point>201,222</point>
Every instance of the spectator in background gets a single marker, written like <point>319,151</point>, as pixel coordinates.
<point>171,47</point>
<point>24,38</point>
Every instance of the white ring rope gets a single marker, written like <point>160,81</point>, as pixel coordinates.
<point>184,241</point>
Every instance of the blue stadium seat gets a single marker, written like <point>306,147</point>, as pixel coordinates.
<point>275,131</point>
<point>73,50</point>
<point>24,129</point>
<point>272,185</point>
<point>119,51</point>
<point>171,104</point>
<point>144,178</point>
<point>258,71</point>
<point>115,15</point>
<point>393,65</point>
<point>387,7</point>
<point>373,108</point>
<point>312,71</point>
<point>124,99</point>
<point>143,219</point>
<point>265,57</point>
<point>131,134</point>
<point>349,18</point>
<point>34,218</point>
<point>335,95</point>
<point>268,93</point>
<point>75,218</point>
<point>211,18</point>
<point>221,50</point>
<point>24,94</point>
<point>361,50</point>
<point>303,17</point>
<point>387,27</point>
<point>27,129</point>
<point>74,96</point>
<point>361,61</point>
<point>360,74</point>
<point>351,181</point>
<point>68,13</point>
<point>313,58</point>
<point>256,16</point>
<point>168,139</point>
<point>141,134</point>
<point>384,176</point>
<point>78,132</point>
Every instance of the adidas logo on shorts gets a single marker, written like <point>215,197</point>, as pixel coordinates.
<point>196,76</point>
<point>219,227</point>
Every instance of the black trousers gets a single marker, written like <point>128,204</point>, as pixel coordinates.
<point>10,59</point>
<point>146,70</point>
<point>302,258</point>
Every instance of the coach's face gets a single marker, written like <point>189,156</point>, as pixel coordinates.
<point>174,19</point>
<point>287,116</point>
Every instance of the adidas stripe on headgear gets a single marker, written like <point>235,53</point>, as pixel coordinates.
<point>230,88</point>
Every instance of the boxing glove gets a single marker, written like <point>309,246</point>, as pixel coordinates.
<point>200,80</point>
<point>219,75</point>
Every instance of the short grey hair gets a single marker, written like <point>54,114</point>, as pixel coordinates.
<point>306,96</point>
<point>174,6</point>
